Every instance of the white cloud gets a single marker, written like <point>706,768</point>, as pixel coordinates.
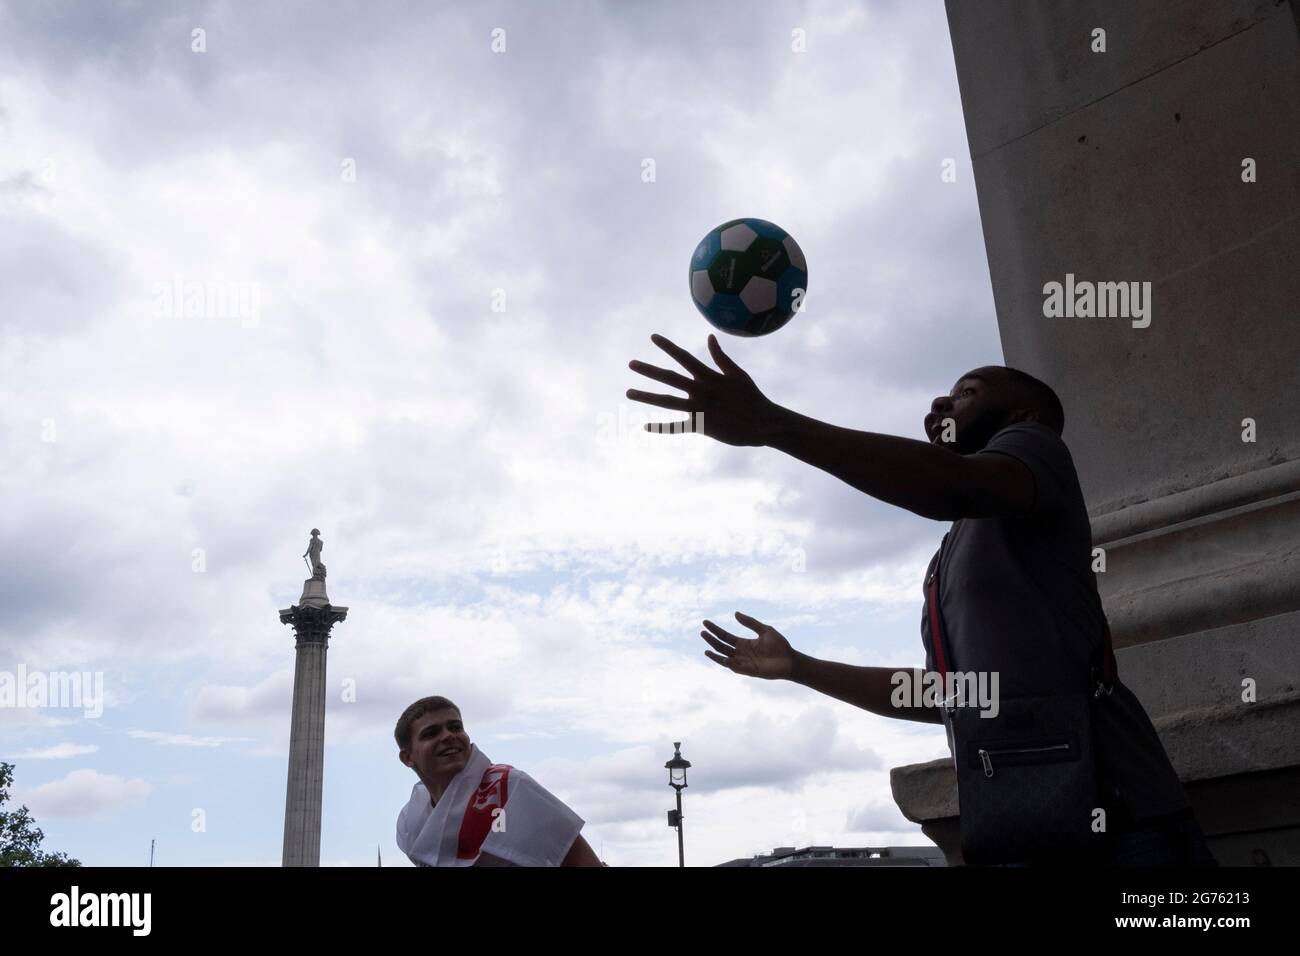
<point>61,751</point>
<point>84,793</point>
<point>183,740</point>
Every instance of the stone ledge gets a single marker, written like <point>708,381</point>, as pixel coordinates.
<point>1210,742</point>
<point>1233,557</point>
<point>1111,525</point>
<point>1204,745</point>
<point>1214,599</point>
<point>925,791</point>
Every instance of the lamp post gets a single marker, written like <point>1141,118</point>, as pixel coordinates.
<point>677,780</point>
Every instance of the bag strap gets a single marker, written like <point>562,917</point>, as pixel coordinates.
<point>1109,666</point>
<point>936,621</point>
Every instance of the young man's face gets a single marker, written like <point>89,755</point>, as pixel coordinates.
<point>439,745</point>
<point>980,405</point>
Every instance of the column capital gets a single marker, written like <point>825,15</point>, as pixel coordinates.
<point>311,625</point>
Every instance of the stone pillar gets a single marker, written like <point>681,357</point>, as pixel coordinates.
<point>312,618</point>
<point>1127,166</point>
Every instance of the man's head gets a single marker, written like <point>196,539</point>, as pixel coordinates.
<point>988,399</point>
<point>431,739</point>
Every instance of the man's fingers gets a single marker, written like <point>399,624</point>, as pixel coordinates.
<point>723,634</point>
<point>726,650</point>
<point>752,623</point>
<point>670,428</point>
<point>661,375</point>
<point>724,661</point>
<point>687,360</point>
<point>675,402</point>
<point>724,361</point>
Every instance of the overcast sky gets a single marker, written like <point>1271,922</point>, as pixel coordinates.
<point>502,531</point>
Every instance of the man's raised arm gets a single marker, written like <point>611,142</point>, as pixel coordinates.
<point>771,657</point>
<point>926,479</point>
<point>871,688</point>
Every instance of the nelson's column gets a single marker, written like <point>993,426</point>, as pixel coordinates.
<point>311,618</point>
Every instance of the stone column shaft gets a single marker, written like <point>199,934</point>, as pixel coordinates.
<point>302,806</point>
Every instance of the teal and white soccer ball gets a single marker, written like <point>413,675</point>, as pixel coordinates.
<point>748,277</point>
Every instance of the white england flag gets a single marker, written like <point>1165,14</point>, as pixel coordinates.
<point>490,813</point>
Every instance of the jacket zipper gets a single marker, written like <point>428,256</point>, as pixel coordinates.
<point>986,756</point>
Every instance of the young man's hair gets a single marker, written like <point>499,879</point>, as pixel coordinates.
<point>425,705</point>
<point>1041,396</point>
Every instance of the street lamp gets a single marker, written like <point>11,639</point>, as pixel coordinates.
<point>677,780</point>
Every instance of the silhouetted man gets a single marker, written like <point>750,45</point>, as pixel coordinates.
<point>1018,596</point>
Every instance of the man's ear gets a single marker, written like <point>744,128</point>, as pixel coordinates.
<point>404,756</point>
<point>1023,415</point>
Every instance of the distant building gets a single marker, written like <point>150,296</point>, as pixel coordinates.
<point>845,856</point>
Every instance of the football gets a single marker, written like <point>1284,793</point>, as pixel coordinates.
<point>748,277</point>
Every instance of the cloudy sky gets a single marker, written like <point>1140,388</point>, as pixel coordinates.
<point>350,184</point>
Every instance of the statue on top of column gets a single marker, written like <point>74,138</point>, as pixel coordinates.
<point>314,548</point>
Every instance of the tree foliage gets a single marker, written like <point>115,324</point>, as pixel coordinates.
<point>20,837</point>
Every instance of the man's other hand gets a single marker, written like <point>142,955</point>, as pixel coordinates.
<point>768,656</point>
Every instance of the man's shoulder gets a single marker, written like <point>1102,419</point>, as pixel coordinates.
<point>514,777</point>
<point>508,770</point>
<point>1036,445</point>
<point>1045,454</point>
<point>1034,433</point>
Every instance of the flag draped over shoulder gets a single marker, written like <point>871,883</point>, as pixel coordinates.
<point>493,811</point>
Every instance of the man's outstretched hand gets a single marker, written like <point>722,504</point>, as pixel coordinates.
<point>725,404</point>
<point>768,656</point>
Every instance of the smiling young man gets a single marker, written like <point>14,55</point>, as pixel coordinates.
<point>468,811</point>
<point>1017,594</point>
